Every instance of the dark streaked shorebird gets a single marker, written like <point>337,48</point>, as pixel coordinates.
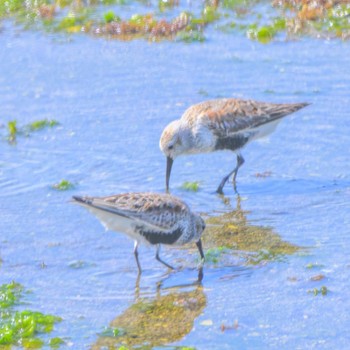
<point>223,124</point>
<point>149,218</point>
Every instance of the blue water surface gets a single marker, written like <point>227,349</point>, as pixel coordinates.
<point>112,100</point>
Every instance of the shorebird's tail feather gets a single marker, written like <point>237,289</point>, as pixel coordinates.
<point>82,200</point>
<point>91,202</point>
<point>266,126</point>
<point>281,110</point>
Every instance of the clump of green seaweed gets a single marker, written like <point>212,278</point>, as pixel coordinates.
<point>13,130</point>
<point>63,185</point>
<point>214,254</point>
<point>23,328</point>
<point>41,124</point>
<point>231,234</point>
<point>321,291</point>
<point>190,186</point>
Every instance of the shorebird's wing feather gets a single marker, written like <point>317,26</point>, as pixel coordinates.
<point>155,212</point>
<point>228,116</point>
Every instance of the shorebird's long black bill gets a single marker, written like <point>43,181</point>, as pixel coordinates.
<point>169,164</point>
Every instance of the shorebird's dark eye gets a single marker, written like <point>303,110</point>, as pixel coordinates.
<point>171,147</point>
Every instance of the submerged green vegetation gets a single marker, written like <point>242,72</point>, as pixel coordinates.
<point>231,235</point>
<point>63,185</point>
<point>321,291</point>
<point>9,295</point>
<point>14,130</point>
<point>213,255</point>
<point>23,328</point>
<point>42,124</point>
<point>163,20</point>
<point>190,186</point>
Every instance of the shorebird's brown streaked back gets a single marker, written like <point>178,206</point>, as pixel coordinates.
<point>149,218</point>
<point>223,124</point>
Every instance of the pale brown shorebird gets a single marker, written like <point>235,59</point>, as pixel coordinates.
<point>149,218</point>
<point>223,124</point>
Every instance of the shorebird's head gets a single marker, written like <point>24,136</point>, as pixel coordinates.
<point>171,143</point>
<point>175,140</point>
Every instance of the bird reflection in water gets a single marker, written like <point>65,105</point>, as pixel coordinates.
<point>165,317</point>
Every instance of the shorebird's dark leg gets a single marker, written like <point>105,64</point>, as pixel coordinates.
<point>136,253</point>
<point>200,275</point>
<point>240,161</point>
<point>160,260</point>
<point>199,246</point>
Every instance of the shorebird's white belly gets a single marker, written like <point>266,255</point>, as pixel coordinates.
<point>114,222</point>
<point>263,130</point>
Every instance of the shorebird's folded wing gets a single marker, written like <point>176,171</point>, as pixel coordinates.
<point>247,115</point>
<point>228,116</point>
<point>137,218</point>
<point>157,213</point>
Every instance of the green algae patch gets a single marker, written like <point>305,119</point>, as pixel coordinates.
<point>56,342</point>
<point>214,255</point>
<point>21,328</point>
<point>12,130</point>
<point>150,322</point>
<point>210,14</point>
<point>111,332</point>
<point>190,186</point>
<point>164,5</point>
<point>63,185</point>
<point>10,294</point>
<point>321,291</point>
<point>110,16</point>
<point>191,36</point>
<point>264,34</point>
<point>232,232</point>
<point>42,124</point>
<point>314,266</point>
<point>76,21</point>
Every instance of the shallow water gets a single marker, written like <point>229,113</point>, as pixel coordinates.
<point>112,100</point>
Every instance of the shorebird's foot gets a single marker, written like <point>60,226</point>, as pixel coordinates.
<point>222,184</point>
<point>219,191</point>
